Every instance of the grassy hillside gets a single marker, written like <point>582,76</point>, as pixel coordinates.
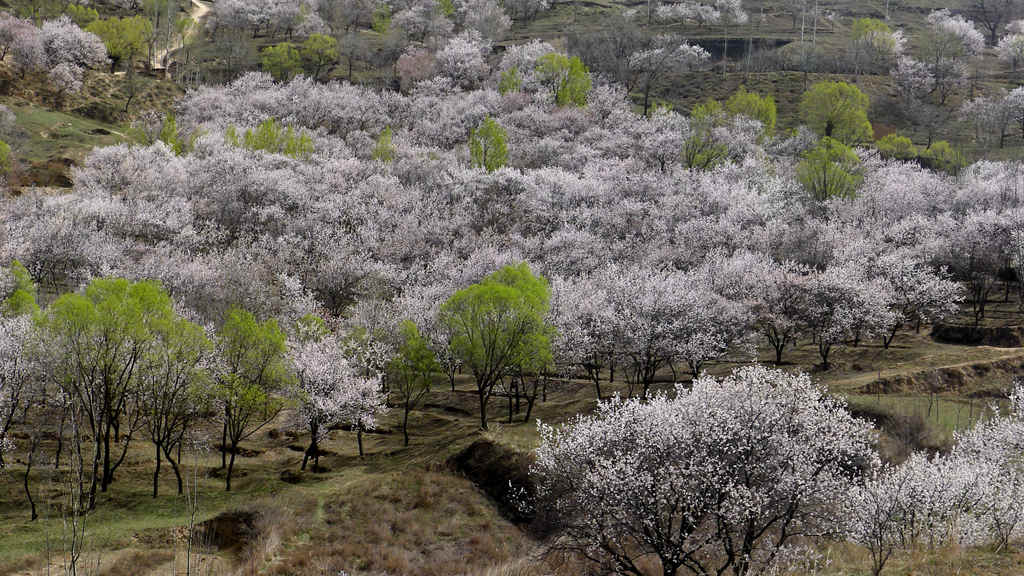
<point>50,136</point>
<point>407,511</point>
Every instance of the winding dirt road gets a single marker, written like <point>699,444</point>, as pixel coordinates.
<point>199,11</point>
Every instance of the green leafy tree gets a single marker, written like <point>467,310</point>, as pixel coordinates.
<point>126,38</point>
<point>830,170</point>
<point>382,19</point>
<point>22,298</point>
<point>837,110</point>
<point>282,61</point>
<point>5,158</point>
<point>271,137</point>
<point>173,388</point>
<point>169,135</point>
<point>896,146</point>
<point>701,151</point>
<point>709,111</point>
<point>510,81</point>
<point>318,52</point>
<point>487,145</point>
<point>447,7</point>
<point>252,372</point>
<point>384,150</point>
<point>82,15</point>
<point>568,79</point>
<point>942,156</point>
<point>753,105</point>
<point>412,372</point>
<point>872,42</point>
<point>498,325</point>
<point>100,338</point>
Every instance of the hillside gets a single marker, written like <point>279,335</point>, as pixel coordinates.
<point>510,288</point>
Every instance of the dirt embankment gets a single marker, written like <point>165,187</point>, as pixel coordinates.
<point>978,379</point>
<point>998,336</point>
<point>502,473</point>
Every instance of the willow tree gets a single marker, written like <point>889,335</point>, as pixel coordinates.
<point>498,325</point>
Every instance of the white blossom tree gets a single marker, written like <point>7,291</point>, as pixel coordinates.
<point>330,391</point>
<point>725,475</point>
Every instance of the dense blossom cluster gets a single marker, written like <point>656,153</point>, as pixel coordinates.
<point>596,196</point>
<point>737,473</point>
<point>59,49</point>
<point>973,496</point>
<point>725,475</point>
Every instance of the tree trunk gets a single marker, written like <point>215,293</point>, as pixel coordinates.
<point>28,470</point>
<point>482,393</point>
<point>887,340</point>
<point>405,423</point>
<point>530,399</point>
<point>60,439</point>
<point>231,467</point>
<point>174,466</point>
<point>224,445</point>
<point>312,449</point>
<point>359,439</point>
<point>156,472</point>
<point>508,396</point>
<point>106,458</point>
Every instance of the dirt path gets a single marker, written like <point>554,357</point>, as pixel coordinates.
<point>199,11</point>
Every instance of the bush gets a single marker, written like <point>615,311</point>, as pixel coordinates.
<point>942,156</point>
<point>895,146</point>
<point>830,170</point>
<point>753,105</point>
<point>487,145</point>
<point>837,110</point>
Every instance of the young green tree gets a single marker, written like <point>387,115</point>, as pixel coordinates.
<point>568,79</point>
<point>21,299</point>
<point>837,110</point>
<point>101,337</point>
<point>412,372</point>
<point>382,19</point>
<point>271,137</point>
<point>497,324</point>
<point>82,15</point>
<point>169,135</point>
<point>510,81</point>
<point>896,146</point>
<point>942,156</point>
<point>487,145</point>
<point>282,61</point>
<point>753,105</point>
<point>702,151</point>
<point>5,158</point>
<point>830,170</point>
<point>173,388</point>
<point>318,52</point>
<point>252,370</point>
<point>873,45</point>
<point>126,38</point>
<point>384,150</point>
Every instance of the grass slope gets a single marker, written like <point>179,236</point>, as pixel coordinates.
<point>403,511</point>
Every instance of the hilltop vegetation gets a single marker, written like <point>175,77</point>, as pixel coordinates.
<point>480,287</point>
